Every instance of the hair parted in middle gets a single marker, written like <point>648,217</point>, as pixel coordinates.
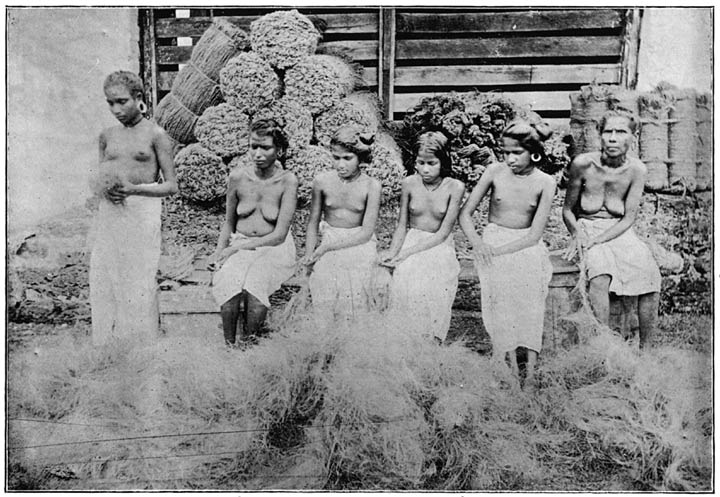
<point>436,143</point>
<point>349,138</point>
<point>271,128</point>
<point>631,117</point>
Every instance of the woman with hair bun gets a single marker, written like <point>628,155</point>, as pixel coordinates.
<point>343,211</point>
<point>422,251</point>
<point>511,260</point>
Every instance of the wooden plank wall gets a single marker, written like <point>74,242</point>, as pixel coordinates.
<point>534,56</point>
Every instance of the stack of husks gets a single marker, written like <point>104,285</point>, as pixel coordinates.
<point>280,77</point>
<point>675,139</point>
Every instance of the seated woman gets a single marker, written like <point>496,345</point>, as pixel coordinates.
<point>426,272</point>
<point>255,251</point>
<point>344,209</point>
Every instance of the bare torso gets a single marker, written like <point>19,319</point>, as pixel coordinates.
<point>514,199</point>
<point>129,152</point>
<point>604,189</point>
<point>344,203</point>
<point>426,208</point>
<point>258,200</point>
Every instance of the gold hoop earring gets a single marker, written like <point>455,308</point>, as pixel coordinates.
<point>142,107</point>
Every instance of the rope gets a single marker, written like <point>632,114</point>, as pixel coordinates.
<point>31,420</point>
<point>183,105</point>
<point>199,71</point>
<point>175,435</point>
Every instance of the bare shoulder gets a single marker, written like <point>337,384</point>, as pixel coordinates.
<point>373,183</point>
<point>583,161</point>
<point>456,186</point>
<point>324,177</point>
<point>546,180</point>
<point>494,168</point>
<point>289,179</point>
<point>237,173</point>
<point>637,165</point>
<point>158,132</point>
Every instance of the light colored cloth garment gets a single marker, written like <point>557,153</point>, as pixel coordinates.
<point>261,271</point>
<point>340,280</point>
<point>424,286</point>
<point>123,269</point>
<point>627,259</point>
<point>513,290</point>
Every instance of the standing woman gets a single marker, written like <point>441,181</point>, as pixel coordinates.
<point>255,250</point>
<point>426,272</point>
<point>511,260</point>
<point>343,211</point>
<point>126,247</point>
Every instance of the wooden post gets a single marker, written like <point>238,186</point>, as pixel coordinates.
<point>148,62</point>
<point>386,60</point>
<point>631,47</point>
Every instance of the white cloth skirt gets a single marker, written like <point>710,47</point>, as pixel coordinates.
<point>424,286</point>
<point>340,281</point>
<point>123,269</point>
<point>513,290</point>
<point>260,272</point>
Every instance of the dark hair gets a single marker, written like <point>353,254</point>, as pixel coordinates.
<point>271,128</point>
<point>129,80</point>
<point>360,144</point>
<point>629,115</point>
<point>530,135</point>
<point>436,143</point>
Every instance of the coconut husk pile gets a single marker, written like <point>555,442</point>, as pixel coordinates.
<point>473,123</point>
<point>309,94</point>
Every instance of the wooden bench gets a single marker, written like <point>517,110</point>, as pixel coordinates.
<point>189,306</point>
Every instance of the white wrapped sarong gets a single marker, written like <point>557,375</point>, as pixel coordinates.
<point>261,271</point>
<point>424,286</point>
<point>513,290</point>
<point>627,259</point>
<point>340,280</point>
<point>123,269</point>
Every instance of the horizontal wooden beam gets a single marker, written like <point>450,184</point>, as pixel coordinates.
<point>466,75</point>
<point>488,48</point>
<point>467,21</point>
<point>165,78</point>
<point>358,50</point>
<point>350,23</point>
<point>537,100</point>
